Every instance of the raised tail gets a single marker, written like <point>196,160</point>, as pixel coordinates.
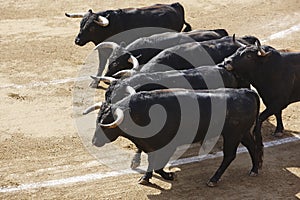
<point>187,27</point>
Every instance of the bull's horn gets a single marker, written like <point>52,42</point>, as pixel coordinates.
<point>130,90</point>
<point>120,117</point>
<point>105,79</point>
<point>110,45</point>
<point>260,52</point>
<point>96,106</point>
<point>134,62</point>
<point>75,15</point>
<point>102,21</point>
<point>237,42</point>
<point>124,73</point>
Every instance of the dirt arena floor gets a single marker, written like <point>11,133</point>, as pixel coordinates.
<point>39,141</point>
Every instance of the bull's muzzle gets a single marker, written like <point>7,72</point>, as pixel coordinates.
<point>78,41</point>
<point>100,139</point>
<point>228,67</point>
<point>97,142</point>
<point>227,64</point>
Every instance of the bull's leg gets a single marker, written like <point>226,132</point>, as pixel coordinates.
<point>148,175</point>
<point>160,162</point>
<point>103,55</point>
<point>249,143</point>
<point>166,175</point>
<point>157,161</point>
<point>279,128</point>
<point>229,151</point>
<point>136,160</point>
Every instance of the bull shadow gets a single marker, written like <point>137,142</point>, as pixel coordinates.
<point>235,183</point>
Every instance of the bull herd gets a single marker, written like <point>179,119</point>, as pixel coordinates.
<point>176,69</point>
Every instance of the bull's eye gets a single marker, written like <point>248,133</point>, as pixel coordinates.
<point>92,29</point>
<point>115,64</point>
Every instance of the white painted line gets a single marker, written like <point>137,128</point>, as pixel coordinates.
<point>74,179</point>
<point>64,168</point>
<point>99,176</point>
<point>283,33</point>
<point>239,150</point>
<point>278,35</point>
<point>46,83</point>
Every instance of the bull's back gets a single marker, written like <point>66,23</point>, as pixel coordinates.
<point>192,113</point>
<point>159,15</point>
<point>179,57</point>
<point>206,77</point>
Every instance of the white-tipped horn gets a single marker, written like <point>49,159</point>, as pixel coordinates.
<point>75,15</point>
<point>92,108</point>
<point>237,42</point>
<point>120,117</point>
<point>102,21</point>
<point>260,52</point>
<point>110,45</point>
<point>134,62</point>
<point>124,73</point>
<point>130,90</point>
<point>105,79</point>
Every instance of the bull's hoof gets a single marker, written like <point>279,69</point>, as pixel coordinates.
<point>211,184</point>
<point>253,174</point>
<point>134,164</point>
<point>278,134</point>
<point>174,176</point>
<point>136,161</point>
<point>144,181</point>
<point>171,176</point>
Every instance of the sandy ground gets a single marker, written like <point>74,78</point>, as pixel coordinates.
<point>39,138</point>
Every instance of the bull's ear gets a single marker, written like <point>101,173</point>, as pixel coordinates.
<point>90,11</point>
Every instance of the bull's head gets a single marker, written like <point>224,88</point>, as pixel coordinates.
<point>119,59</point>
<point>108,120</point>
<point>89,27</point>
<point>129,72</point>
<point>247,58</point>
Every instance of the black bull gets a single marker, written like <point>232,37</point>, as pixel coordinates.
<point>145,48</point>
<point>240,114</point>
<point>190,55</point>
<point>275,75</point>
<point>204,77</point>
<point>97,27</point>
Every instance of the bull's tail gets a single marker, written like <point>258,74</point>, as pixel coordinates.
<point>187,27</point>
<point>257,137</point>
